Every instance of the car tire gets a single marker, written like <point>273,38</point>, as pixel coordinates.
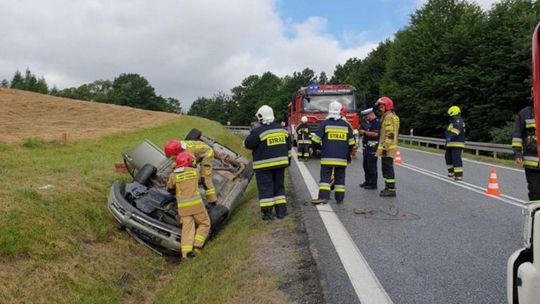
<point>143,176</point>
<point>194,134</point>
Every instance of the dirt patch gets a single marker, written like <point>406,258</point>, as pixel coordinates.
<point>26,115</point>
<point>285,250</point>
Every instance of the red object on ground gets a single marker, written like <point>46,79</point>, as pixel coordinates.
<point>493,184</point>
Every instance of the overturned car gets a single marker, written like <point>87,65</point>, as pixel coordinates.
<point>148,211</point>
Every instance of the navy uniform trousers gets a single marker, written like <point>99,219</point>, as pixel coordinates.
<point>339,182</point>
<point>370,165</point>
<point>271,185</point>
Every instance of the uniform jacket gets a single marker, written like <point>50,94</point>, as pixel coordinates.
<point>372,126</point>
<point>524,138</point>
<point>455,133</point>
<point>186,182</point>
<point>271,146</point>
<point>304,136</point>
<point>337,140</point>
<point>203,153</point>
<point>388,135</point>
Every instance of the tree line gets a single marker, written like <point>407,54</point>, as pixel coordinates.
<point>128,89</point>
<point>450,53</point>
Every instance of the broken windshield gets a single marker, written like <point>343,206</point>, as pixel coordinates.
<point>320,103</point>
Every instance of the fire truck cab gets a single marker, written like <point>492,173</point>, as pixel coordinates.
<point>312,101</point>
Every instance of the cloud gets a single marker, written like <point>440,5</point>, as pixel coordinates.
<point>184,48</point>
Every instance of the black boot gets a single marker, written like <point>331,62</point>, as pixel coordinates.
<point>388,192</point>
<point>281,210</point>
<point>363,184</point>
<point>267,213</point>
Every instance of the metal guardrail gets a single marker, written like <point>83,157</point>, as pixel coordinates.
<point>469,145</point>
<point>241,130</point>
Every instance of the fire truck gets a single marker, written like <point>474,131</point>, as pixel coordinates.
<point>523,269</point>
<point>312,101</point>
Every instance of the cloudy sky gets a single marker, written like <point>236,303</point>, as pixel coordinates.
<point>191,48</point>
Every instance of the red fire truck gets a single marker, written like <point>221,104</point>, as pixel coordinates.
<point>313,101</point>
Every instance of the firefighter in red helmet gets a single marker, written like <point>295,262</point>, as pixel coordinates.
<point>193,215</point>
<point>388,144</point>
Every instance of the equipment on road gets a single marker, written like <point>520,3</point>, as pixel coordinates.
<point>398,160</point>
<point>493,183</point>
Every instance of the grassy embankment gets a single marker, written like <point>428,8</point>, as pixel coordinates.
<point>60,245</point>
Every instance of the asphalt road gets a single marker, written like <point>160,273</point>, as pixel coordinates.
<point>437,242</point>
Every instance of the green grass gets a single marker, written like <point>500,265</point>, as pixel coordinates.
<point>61,245</point>
<point>482,158</point>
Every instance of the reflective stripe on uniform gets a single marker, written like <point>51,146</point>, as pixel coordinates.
<point>455,144</point>
<point>450,166</point>
<point>517,142</point>
<point>389,180</point>
<point>337,129</point>
<point>324,186</point>
<point>280,200</point>
<point>530,123</point>
<point>266,202</point>
<point>210,191</point>
<point>458,169</point>
<point>271,162</point>
<point>185,175</point>
<point>339,188</point>
<point>530,161</point>
<point>189,202</point>
<point>304,141</point>
<point>452,129</point>
<point>352,141</point>
<point>316,139</point>
<point>186,248</point>
<point>200,238</point>
<point>271,133</point>
<point>333,162</point>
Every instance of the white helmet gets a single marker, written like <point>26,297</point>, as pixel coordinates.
<point>265,115</point>
<point>303,119</point>
<point>334,109</point>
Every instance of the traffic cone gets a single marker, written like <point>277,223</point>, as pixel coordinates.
<point>398,160</point>
<point>493,184</point>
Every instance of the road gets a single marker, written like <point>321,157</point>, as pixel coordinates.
<point>438,242</point>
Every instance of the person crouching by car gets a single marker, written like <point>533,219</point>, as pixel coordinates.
<point>204,154</point>
<point>193,215</point>
<point>271,148</point>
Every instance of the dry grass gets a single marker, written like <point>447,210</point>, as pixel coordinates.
<point>26,115</point>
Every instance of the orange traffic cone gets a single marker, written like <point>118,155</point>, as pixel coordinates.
<point>493,185</point>
<point>398,160</point>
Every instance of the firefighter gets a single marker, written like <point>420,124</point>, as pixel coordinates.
<point>271,148</point>
<point>303,139</point>
<point>204,154</point>
<point>455,143</point>
<point>388,144</point>
<point>370,140</point>
<point>336,137</point>
<point>524,143</point>
<point>193,215</point>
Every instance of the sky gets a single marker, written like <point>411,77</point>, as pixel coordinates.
<point>191,48</point>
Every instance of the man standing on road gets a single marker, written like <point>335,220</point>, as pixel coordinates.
<point>336,137</point>
<point>455,142</point>
<point>271,147</point>
<point>524,143</point>
<point>370,140</point>
<point>303,139</point>
<point>388,144</point>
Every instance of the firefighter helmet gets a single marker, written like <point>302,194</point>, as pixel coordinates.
<point>265,115</point>
<point>454,110</point>
<point>343,110</point>
<point>172,148</point>
<point>387,102</point>
<point>184,159</point>
<point>303,119</point>
<point>334,108</point>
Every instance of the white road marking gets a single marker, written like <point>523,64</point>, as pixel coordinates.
<point>366,285</point>
<point>503,198</point>
<point>466,159</point>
